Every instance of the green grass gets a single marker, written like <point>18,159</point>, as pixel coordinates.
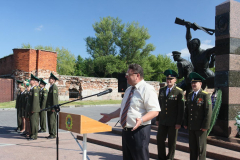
<point>11,104</point>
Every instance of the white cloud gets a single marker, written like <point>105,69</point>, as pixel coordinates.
<point>39,28</point>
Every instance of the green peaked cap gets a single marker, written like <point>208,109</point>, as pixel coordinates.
<point>27,80</point>
<point>35,78</point>
<point>42,81</point>
<point>52,76</point>
<point>27,84</point>
<point>170,73</point>
<point>195,77</point>
<point>18,81</point>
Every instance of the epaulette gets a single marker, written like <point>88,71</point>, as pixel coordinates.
<point>205,92</point>
<point>190,92</point>
<point>35,88</point>
<point>179,88</point>
<point>44,88</point>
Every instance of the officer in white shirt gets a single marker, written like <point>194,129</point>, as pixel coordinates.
<point>139,106</point>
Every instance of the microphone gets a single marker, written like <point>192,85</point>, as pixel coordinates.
<point>104,92</point>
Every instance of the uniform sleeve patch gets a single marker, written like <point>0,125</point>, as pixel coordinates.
<point>54,91</point>
<point>182,99</point>
<point>35,94</point>
<point>45,94</point>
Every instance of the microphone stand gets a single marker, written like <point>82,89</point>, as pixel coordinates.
<point>57,110</point>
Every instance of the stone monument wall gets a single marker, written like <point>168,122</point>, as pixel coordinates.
<point>227,25</point>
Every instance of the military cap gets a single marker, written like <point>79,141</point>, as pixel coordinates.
<point>27,84</point>
<point>195,77</point>
<point>42,81</point>
<point>18,81</point>
<point>174,53</point>
<point>34,78</point>
<point>27,80</point>
<point>170,73</point>
<point>52,76</point>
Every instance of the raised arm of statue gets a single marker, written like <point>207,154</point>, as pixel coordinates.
<point>210,51</point>
<point>188,34</point>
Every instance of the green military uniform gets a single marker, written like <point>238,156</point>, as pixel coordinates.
<point>172,111</point>
<point>34,109</point>
<point>43,93</point>
<point>51,114</point>
<point>198,116</point>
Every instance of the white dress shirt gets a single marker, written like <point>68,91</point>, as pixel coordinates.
<point>144,100</point>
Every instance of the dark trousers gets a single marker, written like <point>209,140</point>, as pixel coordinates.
<point>19,119</point>
<point>51,116</point>
<point>34,122</point>
<point>163,133</point>
<point>43,120</point>
<point>135,143</point>
<point>197,144</point>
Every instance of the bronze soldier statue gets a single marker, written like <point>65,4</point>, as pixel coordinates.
<point>200,58</point>
<point>184,69</point>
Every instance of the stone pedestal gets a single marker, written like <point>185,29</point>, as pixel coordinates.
<point>227,26</point>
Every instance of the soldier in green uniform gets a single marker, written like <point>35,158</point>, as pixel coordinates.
<point>169,120</point>
<point>17,106</point>
<point>34,107</point>
<point>27,109</point>
<point>197,117</point>
<point>43,100</point>
<point>52,100</point>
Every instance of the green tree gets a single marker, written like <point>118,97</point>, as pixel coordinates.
<point>107,31</point>
<point>65,61</point>
<point>80,67</point>
<point>160,64</point>
<point>132,43</point>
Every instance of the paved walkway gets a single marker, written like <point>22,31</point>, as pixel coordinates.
<point>13,146</point>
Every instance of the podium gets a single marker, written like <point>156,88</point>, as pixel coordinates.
<point>82,125</point>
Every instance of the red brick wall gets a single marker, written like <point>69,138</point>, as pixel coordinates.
<point>47,60</point>
<point>21,59</point>
<point>7,65</point>
<point>6,88</point>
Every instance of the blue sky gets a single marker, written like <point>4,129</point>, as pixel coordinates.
<point>62,23</point>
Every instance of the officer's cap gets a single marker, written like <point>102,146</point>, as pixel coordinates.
<point>18,81</point>
<point>52,76</point>
<point>170,73</point>
<point>174,53</point>
<point>195,77</point>
<point>27,84</point>
<point>42,81</point>
<point>34,78</point>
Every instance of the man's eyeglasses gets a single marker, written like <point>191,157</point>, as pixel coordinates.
<point>129,74</point>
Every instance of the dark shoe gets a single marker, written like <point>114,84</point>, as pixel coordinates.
<point>51,137</point>
<point>30,139</point>
<point>40,131</point>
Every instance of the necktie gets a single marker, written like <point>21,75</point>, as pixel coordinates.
<point>168,90</point>
<point>125,110</point>
<point>194,95</point>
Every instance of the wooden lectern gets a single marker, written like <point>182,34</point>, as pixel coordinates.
<point>83,125</point>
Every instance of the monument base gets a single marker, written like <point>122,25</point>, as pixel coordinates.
<point>225,128</point>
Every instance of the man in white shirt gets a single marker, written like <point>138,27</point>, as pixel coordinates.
<point>139,105</point>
